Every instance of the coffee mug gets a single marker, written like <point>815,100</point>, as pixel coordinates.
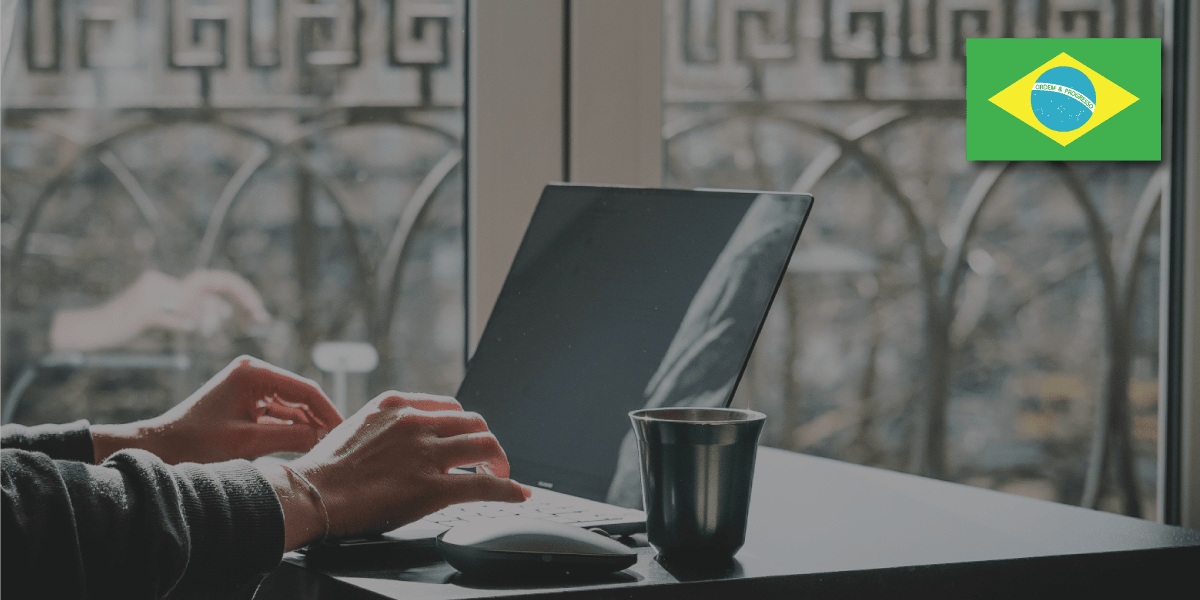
<point>697,467</point>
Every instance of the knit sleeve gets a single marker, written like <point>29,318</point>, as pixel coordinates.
<point>135,527</point>
<point>72,441</point>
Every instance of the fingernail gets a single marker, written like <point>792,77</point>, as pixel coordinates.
<point>526,492</point>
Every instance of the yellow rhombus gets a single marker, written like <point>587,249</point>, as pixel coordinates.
<point>1110,99</point>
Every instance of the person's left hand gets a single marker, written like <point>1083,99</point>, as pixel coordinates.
<point>249,409</point>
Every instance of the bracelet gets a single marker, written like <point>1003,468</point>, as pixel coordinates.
<point>320,501</point>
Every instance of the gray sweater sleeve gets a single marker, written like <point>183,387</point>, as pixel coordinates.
<point>133,527</point>
<point>72,441</point>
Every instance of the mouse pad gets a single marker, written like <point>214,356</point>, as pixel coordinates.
<point>422,574</point>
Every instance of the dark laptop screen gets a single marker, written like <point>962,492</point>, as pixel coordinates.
<point>621,298</point>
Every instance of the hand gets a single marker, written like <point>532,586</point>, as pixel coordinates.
<point>196,303</point>
<point>387,465</point>
<point>249,409</point>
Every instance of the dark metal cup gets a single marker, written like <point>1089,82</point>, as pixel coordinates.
<point>697,467</point>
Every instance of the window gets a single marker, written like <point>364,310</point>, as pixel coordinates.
<point>311,147</point>
<point>995,324</point>
<point>740,88</point>
<point>331,131</point>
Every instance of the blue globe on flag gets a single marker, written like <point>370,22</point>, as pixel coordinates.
<point>1063,99</point>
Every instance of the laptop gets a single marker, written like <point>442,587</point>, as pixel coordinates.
<point>619,298</point>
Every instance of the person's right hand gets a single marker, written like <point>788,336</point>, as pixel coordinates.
<point>388,465</point>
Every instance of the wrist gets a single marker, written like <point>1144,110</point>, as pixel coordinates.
<point>143,435</point>
<point>91,329</point>
<point>109,439</point>
<point>304,519</point>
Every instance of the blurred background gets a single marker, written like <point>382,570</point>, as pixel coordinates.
<point>992,324</point>
<point>1035,285</point>
<point>312,148</point>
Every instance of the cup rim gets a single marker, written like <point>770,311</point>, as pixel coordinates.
<point>647,414</point>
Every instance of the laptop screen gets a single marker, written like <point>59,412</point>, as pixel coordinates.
<point>619,299</point>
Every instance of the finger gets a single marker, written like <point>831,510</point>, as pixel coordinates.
<point>262,439</point>
<point>153,286</point>
<point>230,284</point>
<point>473,450</point>
<point>212,311</point>
<point>214,307</point>
<point>472,487</point>
<point>427,402</point>
<point>451,423</point>
<point>171,320</point>
<point>264,380</point>
<point>286,411</point>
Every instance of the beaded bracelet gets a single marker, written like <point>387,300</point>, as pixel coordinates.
<point>320,500</point>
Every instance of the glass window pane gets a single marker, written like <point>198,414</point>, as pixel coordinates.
<point>155,152</point>
<point>902,337</point>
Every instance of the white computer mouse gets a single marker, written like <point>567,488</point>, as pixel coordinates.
<point>516,546</point>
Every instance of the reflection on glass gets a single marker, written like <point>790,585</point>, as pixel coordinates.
<point>994,324</point>
<point>175,196</point>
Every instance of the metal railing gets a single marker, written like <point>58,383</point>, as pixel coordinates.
<point>271,86</point>
<point>859,98</point>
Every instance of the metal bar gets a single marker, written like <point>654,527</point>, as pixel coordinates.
<point>117,360</point>
<point>964,226</point>
<point>390,268</point>
<point>566,91</point>
<point>233,188</point>
<point>1112,409</point>
<point>306,253</point>
<point>145,204</point>
<point>1140,226</point>
<point>468,78</point>
<point>11,10</point>
<point>1171,472</point>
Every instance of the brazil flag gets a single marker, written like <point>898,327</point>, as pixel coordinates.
<point>1064,99</point>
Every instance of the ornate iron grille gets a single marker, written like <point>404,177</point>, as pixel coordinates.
<point>993,323</point>
<point>313,146</point>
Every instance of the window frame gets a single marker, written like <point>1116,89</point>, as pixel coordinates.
<point>1179,410</point>
<point>543,72</point>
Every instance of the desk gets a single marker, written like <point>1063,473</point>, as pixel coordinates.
<point>826,529</point>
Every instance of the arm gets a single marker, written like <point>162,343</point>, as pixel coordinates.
<point>135,527</point>
<point>195,303</point>
<point>141,527</point>
<point>249,409</point>
<point>403,444</point>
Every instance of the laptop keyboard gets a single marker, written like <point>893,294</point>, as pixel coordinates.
<point>544,504</point>
<point>548,509</point>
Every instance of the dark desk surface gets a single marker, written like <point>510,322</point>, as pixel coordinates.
<point>823,528</point>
